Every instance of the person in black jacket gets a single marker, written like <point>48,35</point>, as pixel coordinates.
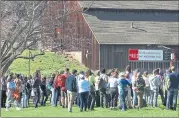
<point>43,92</point>
<point>36,87</point>
<point>71,87</point>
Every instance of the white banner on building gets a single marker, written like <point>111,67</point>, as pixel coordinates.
<point>150,55</point>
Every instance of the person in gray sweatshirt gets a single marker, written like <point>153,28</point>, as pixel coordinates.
<point>155,83</point>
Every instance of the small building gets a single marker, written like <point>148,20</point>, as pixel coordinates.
<point>142,34</point>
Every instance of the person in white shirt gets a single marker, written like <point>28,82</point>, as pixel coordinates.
<point>113,89</point>
<point>83,89</point>
<point>146,96</point>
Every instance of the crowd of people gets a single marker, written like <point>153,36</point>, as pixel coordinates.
<point>113,90</point>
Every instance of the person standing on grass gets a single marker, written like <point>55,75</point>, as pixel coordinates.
<point>97,89</point>
<point>113,90</point>
<point>173,86</point>
<point>91,98</point>
<point>103,80</point>
<point>128,77</point>
<point>43,92</point>
<point>36,87</point>
<point>83,86</point>
<point>3,91</point>
<point>71,86</point>
<point>134,78</point>
<point>24,98</point>
<point>56,90</point>
<point>146,95</point>
<point>138,87</point>
<point>160,76</point>
<point>166,78</point>
<point>11,89</point>
<point>123,86</point>
<point>29,89</point>
<point>54,93</point>
<point>154,87</point>
<point>61,83</point>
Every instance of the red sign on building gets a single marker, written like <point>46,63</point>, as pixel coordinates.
<point>133,54</point>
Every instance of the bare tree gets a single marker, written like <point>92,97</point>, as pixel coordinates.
<point>20,28</point>
<point>61,25</point>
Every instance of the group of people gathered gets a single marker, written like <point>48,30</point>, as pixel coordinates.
<point>88,90</point>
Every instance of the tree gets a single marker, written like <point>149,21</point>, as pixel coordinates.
<point>20,28</point>
<point>61,25</point>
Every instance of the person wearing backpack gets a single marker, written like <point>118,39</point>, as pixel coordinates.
<point>103,80</point>
<point>173,86</point>
<point>61,83</point>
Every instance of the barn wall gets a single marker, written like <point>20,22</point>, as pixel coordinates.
<point>116,56</point>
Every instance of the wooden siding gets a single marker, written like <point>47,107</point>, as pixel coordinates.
<point>116,56</point>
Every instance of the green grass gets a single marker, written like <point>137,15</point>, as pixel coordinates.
<point>49,111</point>
<point>48,63</point>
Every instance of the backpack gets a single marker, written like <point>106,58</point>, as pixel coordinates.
<point>101,83</point>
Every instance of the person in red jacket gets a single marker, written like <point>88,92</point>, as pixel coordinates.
<point>61,82</point>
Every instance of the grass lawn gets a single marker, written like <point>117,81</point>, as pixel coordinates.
<point>48,63</point>
<point>49,111</point>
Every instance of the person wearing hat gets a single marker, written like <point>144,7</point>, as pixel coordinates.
<point>138,86</point>
<point>173,86</point>
<point>154,88</point>
<point>123,85</point>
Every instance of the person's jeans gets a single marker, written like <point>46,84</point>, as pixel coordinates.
<point>146,95</point>
<point>3,99</point>
<point>71,97</point>
<point>91,100</point>
<point>24,100</point>
<point>83,100</point>
<point>172,99</point>
<point>78,99</point>
<point>58,96</point>
<point>153,98</point>
<point>103,97</point>
<point>44,98</point>
<point>36,97</point>
<point>134,98</point>
<point>129,97</point>
<point>97,98</point>
<point>113,94</point>
<point>140,98</point>
<point>165,99</point>
<point>54,96</point>
<point>162,95</point>
<point>122,97</point>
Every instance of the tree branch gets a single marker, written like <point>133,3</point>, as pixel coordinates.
<point>32,57</point>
